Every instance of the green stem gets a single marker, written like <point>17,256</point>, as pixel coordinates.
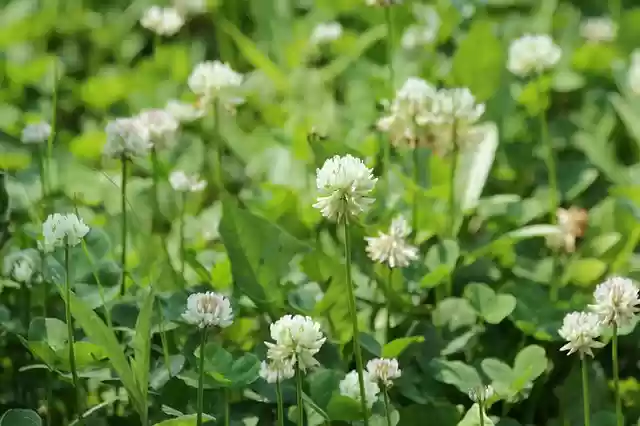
<point>43,177</point>
<point>299,395</point>
<point>163,340</point>
<point>481,409</point>
<point>616,375</point>
<point>616,10</point>
<point>416,194</point>
<point>72,354</point>
<point>53,124</point>
<point>123,207</point>
<point>280,404</point>
<point>387,143</point>
<point>388,322</point>
<point>354,320</point>
<point>156,203</point>
<point>96,276</point>
<point>386,406</point>
<point>203,342</point>
<point>585,390</point>
<point>452,181</point>
<point>227,408</point>
<point>47,378</point>
<point>217,149</point>
<point>550,163</point>
<point>183,207</point>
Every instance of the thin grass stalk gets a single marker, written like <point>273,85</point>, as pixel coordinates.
<point>227,407</point>
<point>550,164</point>
<point>354,320</point>
<point>107,312</point>
<point>386,144</point>
<point>165,346</point>
<point>455,152</point>
<point>616,376</point>
<point>183,208</point>
<point>123,208</point>
<point>280,404</point>
<point>203,342</point>
<point>585,390</point>
<point>299,395</point>
<point>70,338</point>
<point>387,409</point>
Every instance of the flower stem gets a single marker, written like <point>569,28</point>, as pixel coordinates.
<point>280,404</point>
<point>183,207</point>
<point>227,411</point>
<point>47,383</point>
<point>416,194</point>
<point>388,322</point>
<point>616,375</point>
<point>452,180</point>
<point>550,163</point>
<point>123,207</point>
<point>387,143</point>
<point>72,355</point>
<point>299,395</point>
<point>163,340</point>
<point>217,149</point>
<point>42,159</point>
<point>203,342</point>
<point>354,321</point>
<point>481,410</point>
<point>154,188</point>
<point>386,407</point>
<point>585,390</point>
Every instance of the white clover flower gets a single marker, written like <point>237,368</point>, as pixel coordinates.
<point>162,21</point>
<point>392,248</point>
<point>350,386</point>
<point>22,271</point>
<point>481,394</point>
<point>344,184</point>
<point>211,79</point>
<point>532,54</point>
<point>190,7</point>
<point>208,310</point>
<point>161,125</point>
<point>36,132</point>
<point>297,340</point>
<point>425,31</point>
<point>581,329</point>
<point>452,106</point>
<point>383,3</point>
<point>184,112</point>
<point>326,32</point>
<point>128,137</point>
<point>63,229</point>
<point>384,371</point>
<point>182,182</point>
<point>616,301</point>
<point>633,75</point>
<point>276,371</point>
<point>599,30</point>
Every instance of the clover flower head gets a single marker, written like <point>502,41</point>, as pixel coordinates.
<point>344,184</point>
<point>481,394</point>
<point>60,230</point>
<point>161,125</point>
<point>532,54</point>
<point>22,271</point>
<point>350,386</point>
<point>208,309</point>
<point>451,106</point>
<point>425,31</point>
<point>326,32</point>
<point>162,21</point>
<point>297,340</point>
<point>392,248</point>
<point>211,79</point>
<point>127,137</point>
<point>36,133</point>
<point>580,330</point>
<point>599,30</point>
<point>276,371</point>
<point>384,371</point>
<point>182,182</point>
<point>184,112</point>
<point>616,301</point>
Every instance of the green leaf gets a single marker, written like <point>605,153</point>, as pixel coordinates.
<point>370,344</point>
<point>52,331</point>
<point>344,408</point>
<point>472,418</point>
<point>530,363</point>
<point>244,371</point>
<point>142,346</point>
<point>455,313</point>
<point>260,253</point>
<point>342,63</point>
<point>491,306</point>
<point>394,348</point>
<point>586,271</point>
<point>20,417</point>
<point>455,373</point>
<point>189,420</point>
<point>441,260</point>
<point>322,384</point>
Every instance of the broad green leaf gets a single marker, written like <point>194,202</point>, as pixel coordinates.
<point>628,114</point>
<point>52,331</point>
<point>20,417</point>
<point>455,313</point>
<point>260,253</point>
<point>322,385</point>
<point>456,373</point>
<point>343,408</point>
<point>394,348</point>
<point>491,306</point>
<point>586,271</point>
<point>244,371</point>
<point>161,375</point>
<point>142,346</point>
<point>370,344</point>
<point>366,40</point>
<point>472,418</point>
<point>189,420</point>
<point>474,164</point>
<point>534,313</point>
<point>530,362</point>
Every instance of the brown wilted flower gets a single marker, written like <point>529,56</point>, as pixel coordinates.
<point>572,224</point>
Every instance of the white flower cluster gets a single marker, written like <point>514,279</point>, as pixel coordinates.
<point>213,80</point>
<point>599,30</point>
<point>580,330</point>
<point>165,21</point>
<point>127,136</point>
<point>190,7</point>
<point>36,133</point>
<point>297,340</point>
<point>383,371</point>
<point>633,75</point>
<point>425,31</point>
<point>532,54</point>
<point>22,271</point>
<point>208,310</point>
<point>60,230</point>
<point>422,115</point>
<point>616,301</point>
<point>276,371</point>
<point>184,112</point>
<point>392,248</point>
<point>326,32</point>
<point>350,386</point>
<point>160,123</point>
<point>182,182</point>
<point>344,184</point>
<point>481,394</point>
